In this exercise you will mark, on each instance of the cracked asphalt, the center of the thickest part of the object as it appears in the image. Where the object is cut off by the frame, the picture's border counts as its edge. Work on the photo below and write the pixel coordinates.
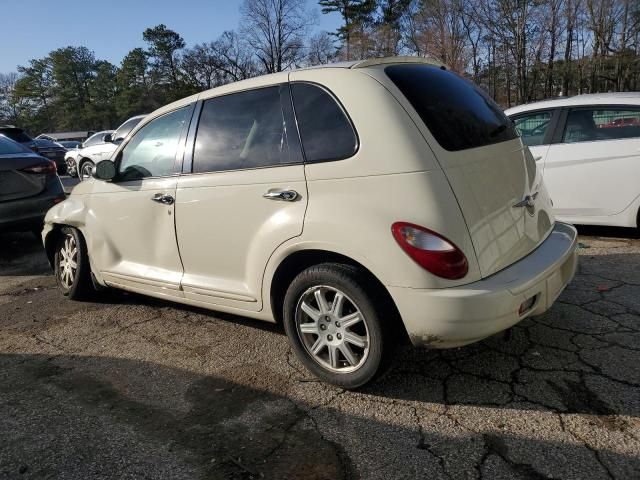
(131, 387)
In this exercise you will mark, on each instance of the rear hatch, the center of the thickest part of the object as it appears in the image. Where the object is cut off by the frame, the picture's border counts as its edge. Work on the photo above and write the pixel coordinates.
(493, 176)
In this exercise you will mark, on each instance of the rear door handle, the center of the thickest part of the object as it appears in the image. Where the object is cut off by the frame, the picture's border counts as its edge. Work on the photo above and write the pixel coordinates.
(539, 157)
(284, 195)
(164, 198)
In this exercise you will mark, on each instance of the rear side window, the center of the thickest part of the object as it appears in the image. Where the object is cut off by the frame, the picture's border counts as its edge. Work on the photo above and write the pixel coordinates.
(8, 147)
(325, 130)
(246, 130)
(457, 113)
(592, 124)
(532, 127)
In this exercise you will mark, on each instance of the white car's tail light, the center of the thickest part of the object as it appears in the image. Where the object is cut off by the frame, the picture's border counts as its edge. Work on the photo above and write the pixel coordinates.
(431, 251)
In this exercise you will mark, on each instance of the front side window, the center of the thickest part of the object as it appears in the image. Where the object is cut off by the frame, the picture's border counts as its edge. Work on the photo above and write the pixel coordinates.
(152, 151)
(245, 130)
(458, 114)
(532, 127)
(597, 123)
(325, 130)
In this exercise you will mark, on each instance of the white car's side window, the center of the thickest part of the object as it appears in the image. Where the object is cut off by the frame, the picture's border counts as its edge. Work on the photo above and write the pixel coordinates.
(601, 123)
(532, 127)
(152, 151)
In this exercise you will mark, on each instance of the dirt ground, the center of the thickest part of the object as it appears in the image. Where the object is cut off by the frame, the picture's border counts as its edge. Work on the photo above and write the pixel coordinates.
(131, 387)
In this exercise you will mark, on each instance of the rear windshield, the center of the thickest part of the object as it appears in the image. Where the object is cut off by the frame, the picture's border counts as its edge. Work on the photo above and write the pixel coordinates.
(457, 113)
(17, 135)
(9, 147)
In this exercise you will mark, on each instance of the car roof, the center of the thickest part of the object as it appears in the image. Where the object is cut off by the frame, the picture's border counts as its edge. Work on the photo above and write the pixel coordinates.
(282, 77)
(617, 98)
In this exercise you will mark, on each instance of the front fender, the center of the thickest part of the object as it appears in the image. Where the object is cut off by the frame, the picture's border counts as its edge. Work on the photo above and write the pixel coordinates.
(72, 212)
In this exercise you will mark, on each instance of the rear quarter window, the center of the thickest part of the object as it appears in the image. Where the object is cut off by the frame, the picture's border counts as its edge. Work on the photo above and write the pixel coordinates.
(458, 114)
(325, 130)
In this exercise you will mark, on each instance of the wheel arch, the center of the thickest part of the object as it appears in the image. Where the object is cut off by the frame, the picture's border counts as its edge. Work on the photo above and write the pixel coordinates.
(297, 261)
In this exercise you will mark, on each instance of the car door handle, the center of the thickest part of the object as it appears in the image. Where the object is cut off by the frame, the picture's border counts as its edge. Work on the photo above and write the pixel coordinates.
(538, 158)
(284, 195)
(164, 198)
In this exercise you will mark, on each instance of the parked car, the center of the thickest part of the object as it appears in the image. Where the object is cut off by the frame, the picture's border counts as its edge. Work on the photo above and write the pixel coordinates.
(92, 154)
(29, 186)
(70, 144)
(53, 151)
(73, 156)
(355, 203)
(18, 135)
(588, 147)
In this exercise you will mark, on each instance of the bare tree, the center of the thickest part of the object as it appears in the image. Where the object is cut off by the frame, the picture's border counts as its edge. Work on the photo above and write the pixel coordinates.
(225, 60)
(275, 30)
(321, 49)
(436, 28)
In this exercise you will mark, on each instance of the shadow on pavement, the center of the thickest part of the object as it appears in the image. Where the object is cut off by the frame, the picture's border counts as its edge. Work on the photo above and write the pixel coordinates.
(98, 417)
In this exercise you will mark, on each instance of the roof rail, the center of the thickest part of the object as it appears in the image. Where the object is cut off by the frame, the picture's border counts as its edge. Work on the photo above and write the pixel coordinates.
(400, 59)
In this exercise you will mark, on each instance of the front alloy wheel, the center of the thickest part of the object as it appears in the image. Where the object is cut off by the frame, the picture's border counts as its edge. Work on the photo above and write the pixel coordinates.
(71, 265)
(86, 170)
(332, 329)
(68, 262)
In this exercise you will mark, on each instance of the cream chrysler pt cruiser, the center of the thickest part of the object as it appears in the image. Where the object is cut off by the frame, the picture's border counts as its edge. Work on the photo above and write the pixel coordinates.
(358, 204)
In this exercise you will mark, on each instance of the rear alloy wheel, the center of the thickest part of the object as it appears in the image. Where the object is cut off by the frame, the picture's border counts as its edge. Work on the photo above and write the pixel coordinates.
(72, 270)
(86, 170)
(334, 324)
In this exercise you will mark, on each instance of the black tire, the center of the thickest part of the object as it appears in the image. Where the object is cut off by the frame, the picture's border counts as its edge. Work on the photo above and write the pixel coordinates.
(358, 291)
(80, 287)
(84, 164)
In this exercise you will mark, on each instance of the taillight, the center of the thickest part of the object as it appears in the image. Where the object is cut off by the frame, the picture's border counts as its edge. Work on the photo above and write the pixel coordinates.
(430, 250)
(47, 167)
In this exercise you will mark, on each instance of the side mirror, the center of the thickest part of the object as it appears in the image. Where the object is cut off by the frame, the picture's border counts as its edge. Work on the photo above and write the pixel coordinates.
(104, 170)
(107, 138)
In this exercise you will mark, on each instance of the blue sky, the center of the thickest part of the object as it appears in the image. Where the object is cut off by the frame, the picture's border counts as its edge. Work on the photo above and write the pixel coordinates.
(112, 28)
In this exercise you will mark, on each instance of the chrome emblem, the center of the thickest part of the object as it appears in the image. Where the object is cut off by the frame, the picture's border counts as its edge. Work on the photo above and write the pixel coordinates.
(528, 202)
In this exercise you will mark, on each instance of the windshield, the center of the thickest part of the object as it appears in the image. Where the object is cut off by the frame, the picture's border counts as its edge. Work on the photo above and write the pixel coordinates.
(457, 113)
(124, 129)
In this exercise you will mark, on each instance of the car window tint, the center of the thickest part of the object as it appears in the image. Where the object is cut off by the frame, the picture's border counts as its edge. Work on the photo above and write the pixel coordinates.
(152, 150)
(458, 114)
(8, 147)
(245, 130)
(532, 127)
(325, 130)
(592, 124)
(124, 129)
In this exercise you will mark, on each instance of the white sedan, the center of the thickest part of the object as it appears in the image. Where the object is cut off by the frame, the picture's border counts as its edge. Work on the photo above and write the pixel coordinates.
(588, 147)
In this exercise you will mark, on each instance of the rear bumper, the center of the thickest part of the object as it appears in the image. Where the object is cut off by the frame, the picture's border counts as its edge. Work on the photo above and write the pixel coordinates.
(453, 317)
(28, 213)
